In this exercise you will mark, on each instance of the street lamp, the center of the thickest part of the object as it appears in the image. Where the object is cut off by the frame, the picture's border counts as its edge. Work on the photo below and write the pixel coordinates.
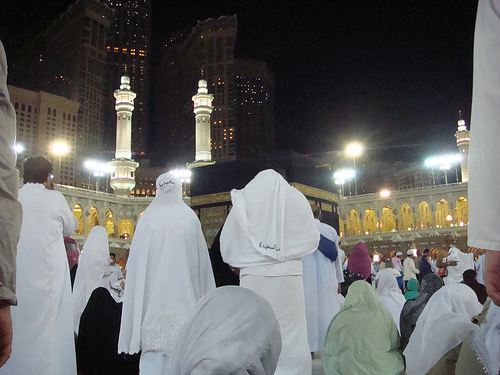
(354, 149)
(60, 148)
(444, 163)
(185, 176)
(98, 169)
(340, 178)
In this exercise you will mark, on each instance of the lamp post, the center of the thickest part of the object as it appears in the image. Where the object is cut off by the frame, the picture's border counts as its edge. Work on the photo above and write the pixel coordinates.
(60, 148)
(354, 149)
(98, 169)
(444, 163)
(340, 178)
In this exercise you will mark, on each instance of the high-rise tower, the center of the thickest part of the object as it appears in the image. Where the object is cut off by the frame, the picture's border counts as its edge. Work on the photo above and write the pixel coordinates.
(128, 51)
(463, 138)
(123, 178)
(202, 110)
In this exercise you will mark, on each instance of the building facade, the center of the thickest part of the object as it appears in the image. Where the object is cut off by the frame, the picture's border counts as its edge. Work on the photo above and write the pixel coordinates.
(42, 120)
(75, 64)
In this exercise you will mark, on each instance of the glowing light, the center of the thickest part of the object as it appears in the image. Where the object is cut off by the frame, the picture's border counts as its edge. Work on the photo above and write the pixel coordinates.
(449, 218)
(183, 173)
(385, 193)
(376, 258)
(18, 148)
(443, 161)
(341, 176)
(60, 148)
(354, 149)
(98, 166)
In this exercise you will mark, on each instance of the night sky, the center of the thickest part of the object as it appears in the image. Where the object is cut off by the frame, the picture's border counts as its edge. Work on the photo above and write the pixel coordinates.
(391, 74)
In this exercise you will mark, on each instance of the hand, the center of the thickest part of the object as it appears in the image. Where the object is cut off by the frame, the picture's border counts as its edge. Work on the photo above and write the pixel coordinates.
(5, 332)
(492, 275)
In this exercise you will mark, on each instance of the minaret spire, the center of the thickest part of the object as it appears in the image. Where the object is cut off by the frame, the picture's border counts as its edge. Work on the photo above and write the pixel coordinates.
(202, 110)
(123, 179)
(463, 138)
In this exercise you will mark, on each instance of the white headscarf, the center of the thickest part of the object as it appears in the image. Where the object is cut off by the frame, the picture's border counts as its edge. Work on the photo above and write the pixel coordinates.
(270, 222)
(92, 271)
(444, 324)
(168, 271)
(232, 331)
(389, 293)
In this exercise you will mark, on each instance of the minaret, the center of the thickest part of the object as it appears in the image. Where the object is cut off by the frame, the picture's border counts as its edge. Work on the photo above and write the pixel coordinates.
(463, 138)
(123, 178)
(202, 110)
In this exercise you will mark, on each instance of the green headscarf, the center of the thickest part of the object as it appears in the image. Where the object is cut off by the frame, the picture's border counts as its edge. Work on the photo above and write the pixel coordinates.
(362, 337)
(412, 287)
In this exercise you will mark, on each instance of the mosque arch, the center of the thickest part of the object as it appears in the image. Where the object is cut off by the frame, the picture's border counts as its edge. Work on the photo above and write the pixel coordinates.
(370, 221)
(353, 223)
(125, 228)
(442, 211)
(424, 215)
(388, 222)
(462, 211)
(405, 221)
(341, 228)
(109, 223)
(93, 219)
(78, 212)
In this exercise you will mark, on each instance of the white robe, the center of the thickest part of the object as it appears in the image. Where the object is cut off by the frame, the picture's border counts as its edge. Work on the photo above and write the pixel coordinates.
(168, 271)
(321, 295)
(42, 322)
(484, 159)
(268, 230)
(465, 262)
(389, 294)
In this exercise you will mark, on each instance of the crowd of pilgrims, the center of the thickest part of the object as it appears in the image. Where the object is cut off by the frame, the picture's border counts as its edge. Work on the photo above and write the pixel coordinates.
(274, 290)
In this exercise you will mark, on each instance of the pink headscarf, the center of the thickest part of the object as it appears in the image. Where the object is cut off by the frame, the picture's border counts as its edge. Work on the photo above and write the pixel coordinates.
(360, 261)
(72, 251)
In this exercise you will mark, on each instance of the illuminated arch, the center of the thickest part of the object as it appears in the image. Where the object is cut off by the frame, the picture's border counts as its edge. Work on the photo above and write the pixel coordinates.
(341, 227)
(110, 223)
(353, 224)
(442, 211)
(405, 218)
(78, 212)
(388, 222)
(93, 219)
(424, 215)
(126, 228)
(370, 221)
(462, 211)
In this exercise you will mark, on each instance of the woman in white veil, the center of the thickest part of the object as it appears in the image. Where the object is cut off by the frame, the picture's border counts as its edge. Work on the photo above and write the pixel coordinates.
(92, 272)
(232, 331)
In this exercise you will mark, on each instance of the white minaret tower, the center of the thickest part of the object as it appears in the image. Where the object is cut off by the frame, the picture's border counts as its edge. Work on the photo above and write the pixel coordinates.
(123, 178)
(463, 138)
(202, 110)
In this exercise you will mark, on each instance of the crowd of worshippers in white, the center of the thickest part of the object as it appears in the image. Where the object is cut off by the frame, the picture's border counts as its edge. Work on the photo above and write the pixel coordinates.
(171, 319)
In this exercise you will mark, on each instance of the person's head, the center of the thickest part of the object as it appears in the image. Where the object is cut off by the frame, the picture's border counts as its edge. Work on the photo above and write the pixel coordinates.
(113, 257)
(426, 252)
(399, 254)
(277, 168)
(168, 183)
(37, 170)
(469, 275)
(410, 253)
(449, 239)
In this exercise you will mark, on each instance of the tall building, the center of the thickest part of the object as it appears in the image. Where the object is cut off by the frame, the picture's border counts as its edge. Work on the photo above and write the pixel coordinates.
(42, 120)
(128, 50)
(239, 88)
(74, 63)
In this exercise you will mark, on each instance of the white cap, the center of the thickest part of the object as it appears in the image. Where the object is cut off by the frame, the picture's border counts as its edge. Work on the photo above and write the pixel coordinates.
(409, 252)
(399, 253)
